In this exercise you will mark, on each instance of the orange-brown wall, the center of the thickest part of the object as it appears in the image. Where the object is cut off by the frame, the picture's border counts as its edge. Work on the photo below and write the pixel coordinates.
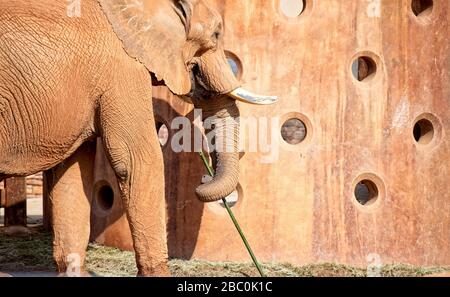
(301, 208)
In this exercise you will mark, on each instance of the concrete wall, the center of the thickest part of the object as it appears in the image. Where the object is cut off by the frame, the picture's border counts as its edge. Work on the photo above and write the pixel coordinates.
(370, 82)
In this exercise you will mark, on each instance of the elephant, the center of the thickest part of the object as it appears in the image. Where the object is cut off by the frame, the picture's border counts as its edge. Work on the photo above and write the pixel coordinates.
(66, 79)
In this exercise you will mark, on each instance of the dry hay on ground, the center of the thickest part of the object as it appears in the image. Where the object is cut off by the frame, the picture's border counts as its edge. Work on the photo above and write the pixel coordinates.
(32, 253)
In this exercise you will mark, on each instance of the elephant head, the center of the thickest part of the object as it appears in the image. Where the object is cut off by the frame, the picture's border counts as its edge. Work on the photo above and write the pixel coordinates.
(180, 43)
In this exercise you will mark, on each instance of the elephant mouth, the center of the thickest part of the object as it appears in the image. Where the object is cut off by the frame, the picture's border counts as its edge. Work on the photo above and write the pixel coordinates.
(199, 90)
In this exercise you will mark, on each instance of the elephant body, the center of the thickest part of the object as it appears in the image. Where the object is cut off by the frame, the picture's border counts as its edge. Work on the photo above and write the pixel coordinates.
(64, 81)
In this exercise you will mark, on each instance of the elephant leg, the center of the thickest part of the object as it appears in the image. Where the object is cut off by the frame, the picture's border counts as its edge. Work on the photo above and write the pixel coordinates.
(132, 147)
(69, 192)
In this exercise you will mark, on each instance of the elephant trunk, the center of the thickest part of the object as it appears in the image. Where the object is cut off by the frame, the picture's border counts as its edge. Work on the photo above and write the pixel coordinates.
(224, 116)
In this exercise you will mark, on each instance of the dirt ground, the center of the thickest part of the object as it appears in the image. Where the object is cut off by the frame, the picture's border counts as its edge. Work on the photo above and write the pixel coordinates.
(30, 254)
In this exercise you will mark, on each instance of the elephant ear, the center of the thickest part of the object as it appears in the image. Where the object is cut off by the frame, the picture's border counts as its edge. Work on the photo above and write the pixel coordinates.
(154, 32)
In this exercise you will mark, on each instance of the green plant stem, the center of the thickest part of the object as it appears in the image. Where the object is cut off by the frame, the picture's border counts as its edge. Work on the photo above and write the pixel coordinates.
(233, 218)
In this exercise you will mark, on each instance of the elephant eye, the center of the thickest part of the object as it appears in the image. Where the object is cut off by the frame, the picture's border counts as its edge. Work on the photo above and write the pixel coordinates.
(217, 32)
(216, 35)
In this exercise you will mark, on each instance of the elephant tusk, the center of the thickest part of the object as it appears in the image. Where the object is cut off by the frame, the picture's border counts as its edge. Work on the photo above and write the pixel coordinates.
(248, 97)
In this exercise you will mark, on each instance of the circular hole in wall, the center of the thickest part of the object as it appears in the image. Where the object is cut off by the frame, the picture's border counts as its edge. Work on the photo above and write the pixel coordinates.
(366, 192)
(163, 133)
(235, 64)
(422, 7)
(105, 198)
(364, 68)
(294, 131)
(423, 131)
(292, 8)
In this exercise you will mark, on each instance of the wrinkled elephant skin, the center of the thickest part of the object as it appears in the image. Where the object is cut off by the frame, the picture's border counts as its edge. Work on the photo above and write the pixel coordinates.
(69, 76)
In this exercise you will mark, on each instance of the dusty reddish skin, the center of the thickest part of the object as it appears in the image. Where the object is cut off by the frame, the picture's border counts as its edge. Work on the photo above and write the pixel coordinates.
(65, 81)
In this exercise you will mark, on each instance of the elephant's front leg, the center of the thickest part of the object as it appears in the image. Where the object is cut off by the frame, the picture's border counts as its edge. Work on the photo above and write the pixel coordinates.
(132, 146)
(69, 190)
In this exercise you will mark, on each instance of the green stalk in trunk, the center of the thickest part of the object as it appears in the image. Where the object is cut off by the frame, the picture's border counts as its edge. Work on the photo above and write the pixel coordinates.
(233, 218)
